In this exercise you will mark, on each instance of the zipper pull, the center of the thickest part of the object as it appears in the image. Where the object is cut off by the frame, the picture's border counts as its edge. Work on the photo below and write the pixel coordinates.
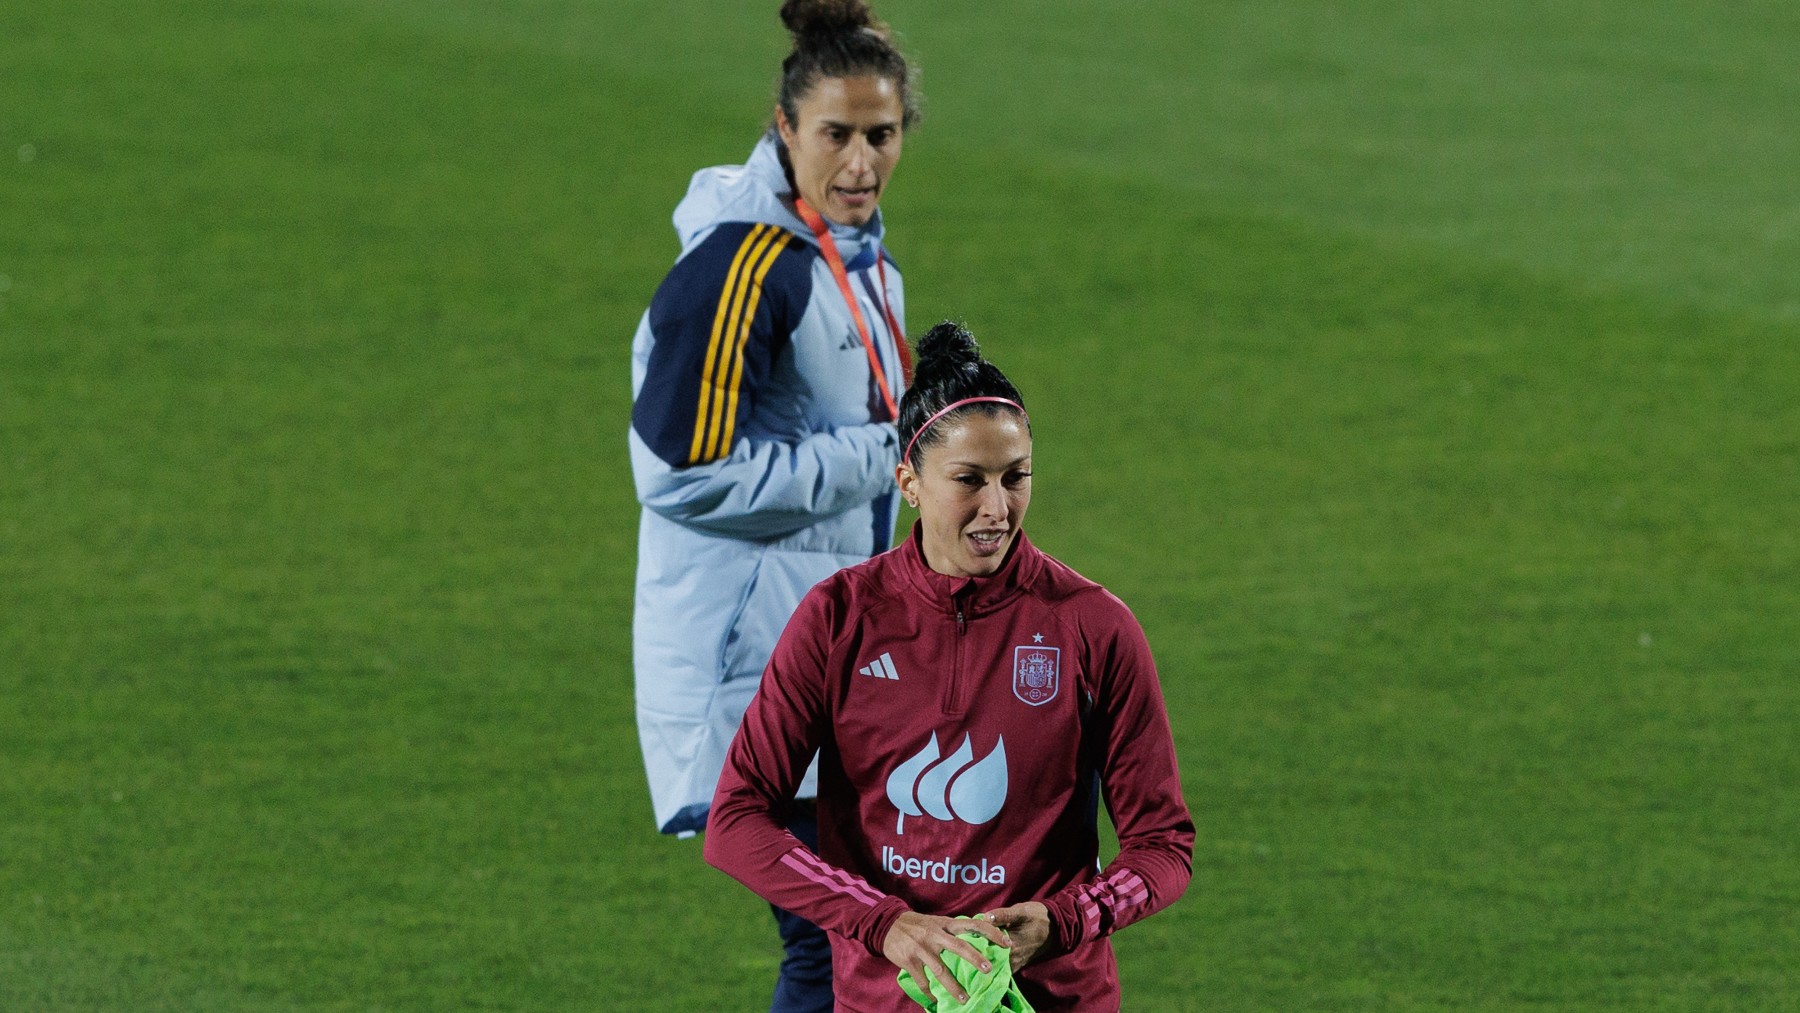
(961, 627)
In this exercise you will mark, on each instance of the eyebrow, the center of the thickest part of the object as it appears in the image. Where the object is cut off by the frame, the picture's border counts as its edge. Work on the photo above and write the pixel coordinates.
(888, 124)
(1014, 463)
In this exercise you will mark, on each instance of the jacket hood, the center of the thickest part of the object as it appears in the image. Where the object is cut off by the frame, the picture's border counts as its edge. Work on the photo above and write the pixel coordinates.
(758, 191)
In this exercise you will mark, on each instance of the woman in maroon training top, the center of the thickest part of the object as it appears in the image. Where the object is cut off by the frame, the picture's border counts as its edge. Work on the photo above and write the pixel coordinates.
(972, 702)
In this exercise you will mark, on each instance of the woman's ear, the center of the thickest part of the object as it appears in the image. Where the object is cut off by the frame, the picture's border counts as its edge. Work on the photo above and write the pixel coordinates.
(783, 127)
(908, 482)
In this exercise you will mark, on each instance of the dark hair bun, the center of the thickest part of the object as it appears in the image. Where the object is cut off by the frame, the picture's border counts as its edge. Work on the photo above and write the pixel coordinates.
(950, 369)
(840, 38)
(948, 343)
(814, 17)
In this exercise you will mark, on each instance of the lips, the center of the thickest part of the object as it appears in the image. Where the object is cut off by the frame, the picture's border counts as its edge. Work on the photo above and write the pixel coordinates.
(986, 543)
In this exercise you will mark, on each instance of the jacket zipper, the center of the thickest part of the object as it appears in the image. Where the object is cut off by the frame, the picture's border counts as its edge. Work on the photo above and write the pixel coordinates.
(953, 703)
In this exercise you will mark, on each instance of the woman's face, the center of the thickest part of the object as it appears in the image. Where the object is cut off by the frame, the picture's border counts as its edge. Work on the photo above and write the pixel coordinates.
(845, 145)
(971, 490)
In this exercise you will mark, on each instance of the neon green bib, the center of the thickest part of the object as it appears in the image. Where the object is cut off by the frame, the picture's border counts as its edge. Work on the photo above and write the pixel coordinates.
(992, 992)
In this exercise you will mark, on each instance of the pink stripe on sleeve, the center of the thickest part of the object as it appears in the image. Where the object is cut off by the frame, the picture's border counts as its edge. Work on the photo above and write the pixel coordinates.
(1090, 915)
(835, 880)
(1130, 887)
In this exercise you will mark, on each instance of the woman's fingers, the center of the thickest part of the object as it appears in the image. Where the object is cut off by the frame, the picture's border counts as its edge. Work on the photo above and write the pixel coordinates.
(916, 943)
(966, 950)
(1027, 928)
(987, 927)
(936, 967)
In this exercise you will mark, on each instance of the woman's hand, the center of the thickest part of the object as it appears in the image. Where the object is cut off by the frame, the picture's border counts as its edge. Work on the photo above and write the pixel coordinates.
(1027, 925)
(916, 940)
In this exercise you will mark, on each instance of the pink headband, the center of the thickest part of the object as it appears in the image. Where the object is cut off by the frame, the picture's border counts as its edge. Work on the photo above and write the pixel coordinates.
(947, 409)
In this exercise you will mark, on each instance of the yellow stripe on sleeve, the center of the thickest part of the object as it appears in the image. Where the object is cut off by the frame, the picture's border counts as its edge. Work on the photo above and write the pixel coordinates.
(725, 343)
(734, 280)
(743, 339)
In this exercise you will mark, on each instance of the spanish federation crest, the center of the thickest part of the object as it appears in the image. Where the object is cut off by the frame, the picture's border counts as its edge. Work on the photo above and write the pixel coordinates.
(1036, 674)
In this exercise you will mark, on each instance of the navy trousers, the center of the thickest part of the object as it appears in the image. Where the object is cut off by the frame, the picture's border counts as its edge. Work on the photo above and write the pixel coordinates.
(804, 985)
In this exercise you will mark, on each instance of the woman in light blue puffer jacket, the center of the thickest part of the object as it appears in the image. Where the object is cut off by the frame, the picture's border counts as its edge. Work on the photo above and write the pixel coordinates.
(764, 378)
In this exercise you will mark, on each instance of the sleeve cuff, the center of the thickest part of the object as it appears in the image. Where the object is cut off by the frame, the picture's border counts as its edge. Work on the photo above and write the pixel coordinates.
(1065, 922)
(879, 922)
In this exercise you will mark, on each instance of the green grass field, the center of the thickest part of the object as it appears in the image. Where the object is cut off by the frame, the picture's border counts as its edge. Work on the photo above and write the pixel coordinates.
(1426, 376)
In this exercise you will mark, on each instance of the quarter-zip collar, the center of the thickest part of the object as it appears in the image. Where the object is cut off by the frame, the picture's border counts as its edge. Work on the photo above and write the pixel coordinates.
(969, 596)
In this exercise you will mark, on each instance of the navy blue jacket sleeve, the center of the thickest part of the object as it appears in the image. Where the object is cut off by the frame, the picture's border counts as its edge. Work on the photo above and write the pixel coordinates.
(720, 318)
(718, 323)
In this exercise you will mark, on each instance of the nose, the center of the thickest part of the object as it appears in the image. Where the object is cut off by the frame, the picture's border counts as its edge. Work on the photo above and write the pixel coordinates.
(993, 502)
(862, 156)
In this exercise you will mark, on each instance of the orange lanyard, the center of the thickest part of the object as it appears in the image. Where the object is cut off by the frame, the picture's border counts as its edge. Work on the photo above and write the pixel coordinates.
(829, 248)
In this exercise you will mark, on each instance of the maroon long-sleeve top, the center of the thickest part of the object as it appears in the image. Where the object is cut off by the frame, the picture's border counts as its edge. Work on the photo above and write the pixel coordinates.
(967, 730)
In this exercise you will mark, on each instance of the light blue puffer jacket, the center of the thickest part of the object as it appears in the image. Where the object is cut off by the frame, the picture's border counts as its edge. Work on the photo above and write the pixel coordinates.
(763, 456)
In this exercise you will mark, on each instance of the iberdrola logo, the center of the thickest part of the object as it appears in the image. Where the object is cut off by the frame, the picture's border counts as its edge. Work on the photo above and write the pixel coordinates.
(958, 787)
